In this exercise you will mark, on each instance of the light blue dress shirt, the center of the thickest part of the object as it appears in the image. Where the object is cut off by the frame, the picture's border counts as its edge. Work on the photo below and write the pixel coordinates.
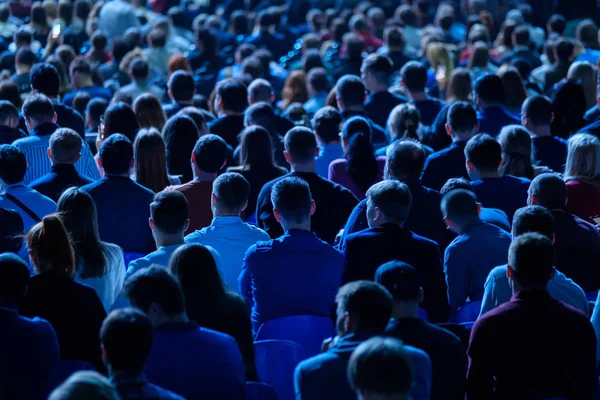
(498, 291)
(315, 103)
(327, 154)
(230, 237)
(34, 200)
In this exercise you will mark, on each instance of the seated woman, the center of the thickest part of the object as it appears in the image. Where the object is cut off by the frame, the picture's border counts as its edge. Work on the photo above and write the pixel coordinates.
(582, 176)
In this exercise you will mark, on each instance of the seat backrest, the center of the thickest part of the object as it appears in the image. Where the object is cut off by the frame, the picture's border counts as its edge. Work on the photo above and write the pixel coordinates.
(275, 364)
(260, 391)
(591, 296)
(308, 331)
(468, 312)
(66, 368)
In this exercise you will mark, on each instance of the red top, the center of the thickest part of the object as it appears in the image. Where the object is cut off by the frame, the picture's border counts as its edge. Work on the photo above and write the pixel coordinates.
(198, 195)
(583, 199)
(338, 174)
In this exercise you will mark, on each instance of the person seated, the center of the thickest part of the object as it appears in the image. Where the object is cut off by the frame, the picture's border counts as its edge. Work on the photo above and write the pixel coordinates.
(80, 72)
(447, 354)
(262, 114)
(448, 163)
(208, 159)
(24, 60)
(326, 123)
(335, 202)
(317, 86)
(117, 220)
(376, 71)
(30, 351)
(126, 341)
(205, 54)
(9, 123)
(363, 311)
(414, 80)
(266, 36)
(477, 249)
(74, 310)
(139, 71)
(228, 234)
(394, 47)
(388, 207)
(158, 52)
(314, 268)
(567, 371)
(119, 48)
(521, 49)
(185, 358)
(87, 384)
(182, 89)
(40, 118)
(536, 219)
(351, 62)
(64, 150)
(94, 112)
(489, 98)
(548, 150)
(230, 103)
(557, 71)
(484, 158)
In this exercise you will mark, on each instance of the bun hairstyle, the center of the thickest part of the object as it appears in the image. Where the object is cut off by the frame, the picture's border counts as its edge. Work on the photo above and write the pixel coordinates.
(50, 247)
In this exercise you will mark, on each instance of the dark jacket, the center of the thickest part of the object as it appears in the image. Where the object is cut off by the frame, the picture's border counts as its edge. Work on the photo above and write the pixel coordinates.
(445, 164)
(274, 42)
(60, 177)
(522, 53)
(66, 117)
(555, 74)
(378, 136)
(379, 106)
(493, 118)
(9, 135)
(228, 128)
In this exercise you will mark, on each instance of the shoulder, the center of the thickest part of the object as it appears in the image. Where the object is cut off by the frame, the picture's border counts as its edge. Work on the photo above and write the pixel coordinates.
(24, 141)
(112, 250)
(91, 186)
(498, 273)
(337, 163)
(314, 365)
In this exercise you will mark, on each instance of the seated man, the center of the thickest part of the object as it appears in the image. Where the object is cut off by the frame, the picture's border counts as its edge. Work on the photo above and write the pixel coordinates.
(388, 207)
(363, 310)
(80, 72)
(553, 355)
(191, 361)
(9, 123)
(326, 123)
(181, 92)
(313, 269)
(228, 234)
(484, 158)
(139, 72)
(121, 203)
(477, 249)
(126, 340)
(414, 79)
(230, 102)
(29, 345)
(489, 98)
(376, 71)
(447, 354)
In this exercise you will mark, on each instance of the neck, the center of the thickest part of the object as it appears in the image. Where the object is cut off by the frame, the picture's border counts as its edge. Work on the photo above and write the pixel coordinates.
(201, 176)
(303, 226)
(168, 240)
(414, 96)
(379, 88)
(356, 107)
(223, 113)
(84, 83)
(174, 319)
(219, 213)
(488, 174)
(539, 131)
(184, 102)
(461, 228)
(404, 309)
(124, 175)
(22, 69)
(119, 372)
(308, 167)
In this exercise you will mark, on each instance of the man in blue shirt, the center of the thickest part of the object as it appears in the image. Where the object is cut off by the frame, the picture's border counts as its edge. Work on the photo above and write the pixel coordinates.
(267, 37)
(126, 340)
(449, 163)
(376, 71)
(327, 124)
(317, 85)
(484, 158)
(194, 362)
(414, 79)
(489, 97)
(477, 249)
(313, 269)
(122, 204)
(81, 78)
(363, 311)
(29, 345)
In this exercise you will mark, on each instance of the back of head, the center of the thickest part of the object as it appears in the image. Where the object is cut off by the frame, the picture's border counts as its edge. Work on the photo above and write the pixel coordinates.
(260, 90)
(380, 368)
(233, 94)
(261, 114)
(292, 199)
(521, 35)
(414, 76)
(9, 114)
(45, 79)
(211, 153)
(583, 157)
(182, 86)
(361, 163)
(311, 59)
(25, 57)
(354, 45)
(326, 123)
(400, 279)
(10, 91)
(89, 385)
(231, 191)
(394, 38)
(538, 109)
(149, 112)
(318, 80)
(405, 160)
(157, 38)
(96, 109)
(462, 118)
(126, 338)
(489, 89)
(564, 49)
(392, 198)
(120, 118)
(116, 155)
(119, 48)
(534, 219)
(557, 23)
(587, 33)
(139, 69)
(13, 164)
(50, 247)
(301, 145)
(531, 258)
(350, 91)
(460, 206)
(484, 152)
(368, 305)
(14, 278)
(403, 122)
(381, 67)
(516, 152)
(454, 184)
(38, 108)
(550, 191)
(256, 147)
(169, 212)
(155, 285)
(80, 66)
(65, 145)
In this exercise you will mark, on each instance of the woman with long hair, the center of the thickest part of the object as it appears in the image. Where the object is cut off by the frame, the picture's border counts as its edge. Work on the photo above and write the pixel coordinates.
(209, 303)
(149, 112)
(294, 90)
(150, 156)
(479, 61)
(74, 310)
(180, 134)
(99, 264)
(585, 73)
(360, 169)
(515, 89)
(516, 152)
(460, 86)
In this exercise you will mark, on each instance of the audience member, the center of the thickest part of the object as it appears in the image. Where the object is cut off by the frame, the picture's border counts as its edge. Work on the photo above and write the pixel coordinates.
(230, 102)
(489, 97)
(85, 384)
(180, 134)
(414, 79)
(9, 123)
(139, 71)
(326, 123)
(80, 72)
(376, 71)
(149, 112)
(517, 150)
(181, 92)
(150, 157)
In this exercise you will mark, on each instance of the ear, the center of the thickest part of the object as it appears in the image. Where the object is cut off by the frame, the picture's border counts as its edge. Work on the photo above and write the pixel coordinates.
(187, 225)
(100, 163)
(193, 157)
(103, 352)
(245, 206)
(317, 151)
(501, 162)
(421, 295)
(132, 163)
(54, 118)
(339, 103)
(151, 223)
(470, 165)
(78, 157)
(478, 208)
(287, 156)
(224, 164)
(533, 199)
(553, 270)
(277, 215)
(313, 207)
(448, 130)
(510, 273)
(213, 199)
(170, 94)
(552, 115)
(49, 153)
(476, 128)
(447, 222)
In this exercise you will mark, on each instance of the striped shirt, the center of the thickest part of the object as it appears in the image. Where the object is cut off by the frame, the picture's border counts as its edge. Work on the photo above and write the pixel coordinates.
(35, 147)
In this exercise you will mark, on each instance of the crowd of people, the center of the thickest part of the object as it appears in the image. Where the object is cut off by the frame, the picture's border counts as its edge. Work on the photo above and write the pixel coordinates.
(178, 174)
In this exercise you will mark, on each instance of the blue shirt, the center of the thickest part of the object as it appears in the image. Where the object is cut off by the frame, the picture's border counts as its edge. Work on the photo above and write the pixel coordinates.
(507, 193)
(94, 91)
(550, 151)
(469, 259)
(131, 386)
(493, 118)
(327, 154)
(295, 274)
(445, 164)
(230, 237)
(36, 202)
(315, 103)
(195, 362)
(589, 55)
(428, 109)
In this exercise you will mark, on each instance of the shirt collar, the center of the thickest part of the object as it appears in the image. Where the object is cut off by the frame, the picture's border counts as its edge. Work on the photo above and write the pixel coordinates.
(45, 129)
(227, 220)
(172, 247)
(299, 233)
(128, 377)
(64, 168)
(15, 186)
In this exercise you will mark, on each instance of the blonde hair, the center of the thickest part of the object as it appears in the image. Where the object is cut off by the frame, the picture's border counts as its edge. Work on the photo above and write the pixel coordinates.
(403, 122)
(438, 54)
(586, 73)
(583, 158)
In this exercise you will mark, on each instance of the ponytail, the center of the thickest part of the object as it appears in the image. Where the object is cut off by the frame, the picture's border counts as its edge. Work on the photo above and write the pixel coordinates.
(51, 247)
(361, 164)
(410, 130)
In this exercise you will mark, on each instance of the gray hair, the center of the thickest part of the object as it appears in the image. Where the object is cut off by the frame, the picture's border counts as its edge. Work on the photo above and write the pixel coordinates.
(583, 158)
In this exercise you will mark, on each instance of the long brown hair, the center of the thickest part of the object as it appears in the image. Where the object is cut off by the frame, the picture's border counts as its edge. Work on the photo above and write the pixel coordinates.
(151, 160)
(294, 90)
(50, 247)
(149, 112)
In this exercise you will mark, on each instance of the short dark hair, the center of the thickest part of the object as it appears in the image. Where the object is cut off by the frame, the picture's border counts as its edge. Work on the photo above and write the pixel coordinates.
(7, 111)
(157, 37)
(211, 153)
(14, 278)
(38, 107)
(4, 12)
(564, 49)
(119, 48)
(531, 256)
(155, 285)
(13, 164)
(368, 303)
(533, 219)
(260, 90)
(490, 89)
(456, 183)
(521, 35)
(65, 145)
(261, 114)
(414, 75)
(116, 154)
(381, 365)
(550, 191)
(393, 198)
(25, 56)
(400, 279)
(462, 117)
(484, 152)
(234, 95)
(538, 109)
(231, 190)
(406, 159)
(317, 78)
(126, 336)
(139, 68)
(326, 123)
(96, 108)
(460, 206)
(292, 198)
(350, 90)
(45, 79)
(558, 23)
(394, 38)
(380, 66)
(301, 144)
(81, 66)
(169, 211)
(182, 86)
